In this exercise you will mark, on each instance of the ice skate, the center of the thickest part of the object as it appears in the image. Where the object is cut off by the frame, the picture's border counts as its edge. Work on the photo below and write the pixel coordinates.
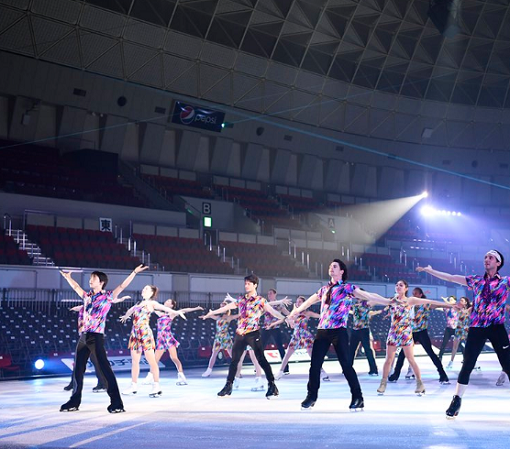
(501, 379)
(420, 387)
(382, 387)
(149, 379)
(272, 391)
(181, 379)
(133, 389)
(226, 390)
(454, 408)
(207, 372)
(156, 391)
(259, 384)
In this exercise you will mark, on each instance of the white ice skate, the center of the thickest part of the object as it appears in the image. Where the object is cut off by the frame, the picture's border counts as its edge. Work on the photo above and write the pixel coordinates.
(149, 379)
(207, 372)
(156, 391)
(133, 389)
(259, 385)
(181, 379)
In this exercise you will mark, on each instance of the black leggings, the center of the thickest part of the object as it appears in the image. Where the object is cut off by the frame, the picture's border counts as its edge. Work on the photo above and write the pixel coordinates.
(92, 342)
(477, 336)
(276, 335)
(340, 341)
(101, 380)
(448, 333)
(423, 338)
(362, 336)
(254, 341)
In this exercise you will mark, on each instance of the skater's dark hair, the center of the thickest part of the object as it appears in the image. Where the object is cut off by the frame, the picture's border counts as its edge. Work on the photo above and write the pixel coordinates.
(173, 301)
(468, 302)
(343, 267)
(272, 290)
(102, 278)
(253, 278)
(155, 291)
(404, 282)
(502, 259)
(420, 292)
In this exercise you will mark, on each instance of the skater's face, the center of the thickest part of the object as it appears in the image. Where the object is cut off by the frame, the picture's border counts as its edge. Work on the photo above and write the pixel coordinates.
(401, 288)
(94, 283)
(335, 271)
(491, 263)
(417, 293)
(300, 301)
(170, 303)
(463, 302)
(147, 292)
(250, 287)
(271, 295)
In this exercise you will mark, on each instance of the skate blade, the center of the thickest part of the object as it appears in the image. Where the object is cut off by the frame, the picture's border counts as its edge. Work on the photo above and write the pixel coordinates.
(129, 393)
(70, 409)
(421, 393)
(155, 395)
(274, 396)
(355, 410)
(180, 384)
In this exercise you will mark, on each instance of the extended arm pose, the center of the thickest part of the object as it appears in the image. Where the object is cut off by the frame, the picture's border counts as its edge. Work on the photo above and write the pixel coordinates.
(462, 327)
(419, 325)
(301, 338)
(336, 299)
(490, 293)
(401, 333)
(166, 340)
(222, 338)
(251, 307)
(142, 339)
(97, 303)
(272, 331)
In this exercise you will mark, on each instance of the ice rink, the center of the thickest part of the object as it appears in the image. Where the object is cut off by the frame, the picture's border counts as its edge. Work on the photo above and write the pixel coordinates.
(194, 417)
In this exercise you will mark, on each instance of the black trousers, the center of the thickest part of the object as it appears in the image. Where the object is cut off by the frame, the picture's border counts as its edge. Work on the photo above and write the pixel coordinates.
(362, 336)
(340, 341)
(101, 380)
(477, 336)
(276, 335)
(448, 333)
(255, 342)
(423, 338)
(91, 342)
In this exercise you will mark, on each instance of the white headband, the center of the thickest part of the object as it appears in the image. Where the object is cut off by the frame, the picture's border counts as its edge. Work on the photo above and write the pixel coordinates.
(494, 253)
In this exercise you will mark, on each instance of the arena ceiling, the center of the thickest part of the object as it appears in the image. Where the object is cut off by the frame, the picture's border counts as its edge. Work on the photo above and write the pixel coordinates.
(303, 60)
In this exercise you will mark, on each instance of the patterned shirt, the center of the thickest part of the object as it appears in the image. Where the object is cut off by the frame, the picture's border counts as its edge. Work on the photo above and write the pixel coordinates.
(250, 311)
(97, 307)
(270, 319)
(490, 295)
(81, 322)
(335, 314)
(452, 317)
(421, 318)
(360, 315)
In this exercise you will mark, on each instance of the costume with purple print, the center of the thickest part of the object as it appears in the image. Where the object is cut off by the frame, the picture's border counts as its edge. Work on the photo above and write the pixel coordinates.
(452, 317)
(222, 339)
(335, 314)
(301, 338)
(141, 337)
(489, 299)
(270, 319)
(96, 308)
(400, 333)
(360, 315)
(421, 318)
(250, 310)
(165, 339)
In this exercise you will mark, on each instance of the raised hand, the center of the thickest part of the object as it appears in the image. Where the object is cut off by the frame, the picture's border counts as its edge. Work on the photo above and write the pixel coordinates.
(140, 268)
(286, 301)
(124, 318)
(420, 269)
(229, 298)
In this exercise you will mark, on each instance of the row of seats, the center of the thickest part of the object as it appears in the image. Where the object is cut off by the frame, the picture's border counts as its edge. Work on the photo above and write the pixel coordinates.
(10, 254)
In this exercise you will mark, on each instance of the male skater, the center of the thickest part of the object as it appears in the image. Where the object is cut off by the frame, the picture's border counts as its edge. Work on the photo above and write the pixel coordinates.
(336, 300)
(251, 306)
(96, 303)
(490, 293)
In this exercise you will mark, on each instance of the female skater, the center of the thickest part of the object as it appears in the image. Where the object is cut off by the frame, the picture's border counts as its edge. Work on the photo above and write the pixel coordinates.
(222, 338)
(462, 327)
(301, 338)
(400, 333)
(452, 318)
(142, 339)
(167, 342)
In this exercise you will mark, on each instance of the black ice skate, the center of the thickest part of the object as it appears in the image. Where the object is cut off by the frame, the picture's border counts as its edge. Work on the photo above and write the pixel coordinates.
(308, 403)
(227, 390)
(357, 404)
(454, 408)
(272, 391)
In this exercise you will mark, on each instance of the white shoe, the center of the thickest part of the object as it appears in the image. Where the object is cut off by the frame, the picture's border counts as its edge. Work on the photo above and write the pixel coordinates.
(133, 389)
(450, 365)
(324, 376)
(501, 379)
(259, 385)
(237, 383)
(207, 372)
(156, 391)
(181, 379)
(149, 379)
(279, 375)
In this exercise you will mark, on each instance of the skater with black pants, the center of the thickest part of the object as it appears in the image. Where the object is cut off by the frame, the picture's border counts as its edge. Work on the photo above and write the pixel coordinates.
(251, 307)
(419, 326)
(97, 303)
(490, 293)
(452, 318)
(101, 380)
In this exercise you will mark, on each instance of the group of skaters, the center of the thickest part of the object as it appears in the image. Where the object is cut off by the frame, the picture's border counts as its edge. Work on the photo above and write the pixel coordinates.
(479, 321)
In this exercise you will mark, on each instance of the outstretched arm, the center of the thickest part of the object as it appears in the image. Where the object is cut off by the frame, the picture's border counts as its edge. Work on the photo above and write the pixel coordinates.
(219, 311)
(67, 275)
(127, 315)
(308, 303)
(457, 278)
(285, 301)
(122, 298)
(372, 298)
(190, 309)
(273, 311)
(128, 281)
(437, 304)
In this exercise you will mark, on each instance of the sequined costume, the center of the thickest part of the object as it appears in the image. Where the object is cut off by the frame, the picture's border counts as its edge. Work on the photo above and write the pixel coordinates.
(222, 339)
(141, 338)
(301, 338)
(400, 333)
(165, 339)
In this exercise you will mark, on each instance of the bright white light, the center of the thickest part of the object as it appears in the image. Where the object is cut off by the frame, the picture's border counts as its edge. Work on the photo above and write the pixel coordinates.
(425, 194)
(427, 211)
(39, 364)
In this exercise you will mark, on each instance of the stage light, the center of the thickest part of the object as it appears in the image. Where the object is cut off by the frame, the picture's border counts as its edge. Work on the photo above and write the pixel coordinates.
(425, 194)
(427, 211)
(39, 364)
